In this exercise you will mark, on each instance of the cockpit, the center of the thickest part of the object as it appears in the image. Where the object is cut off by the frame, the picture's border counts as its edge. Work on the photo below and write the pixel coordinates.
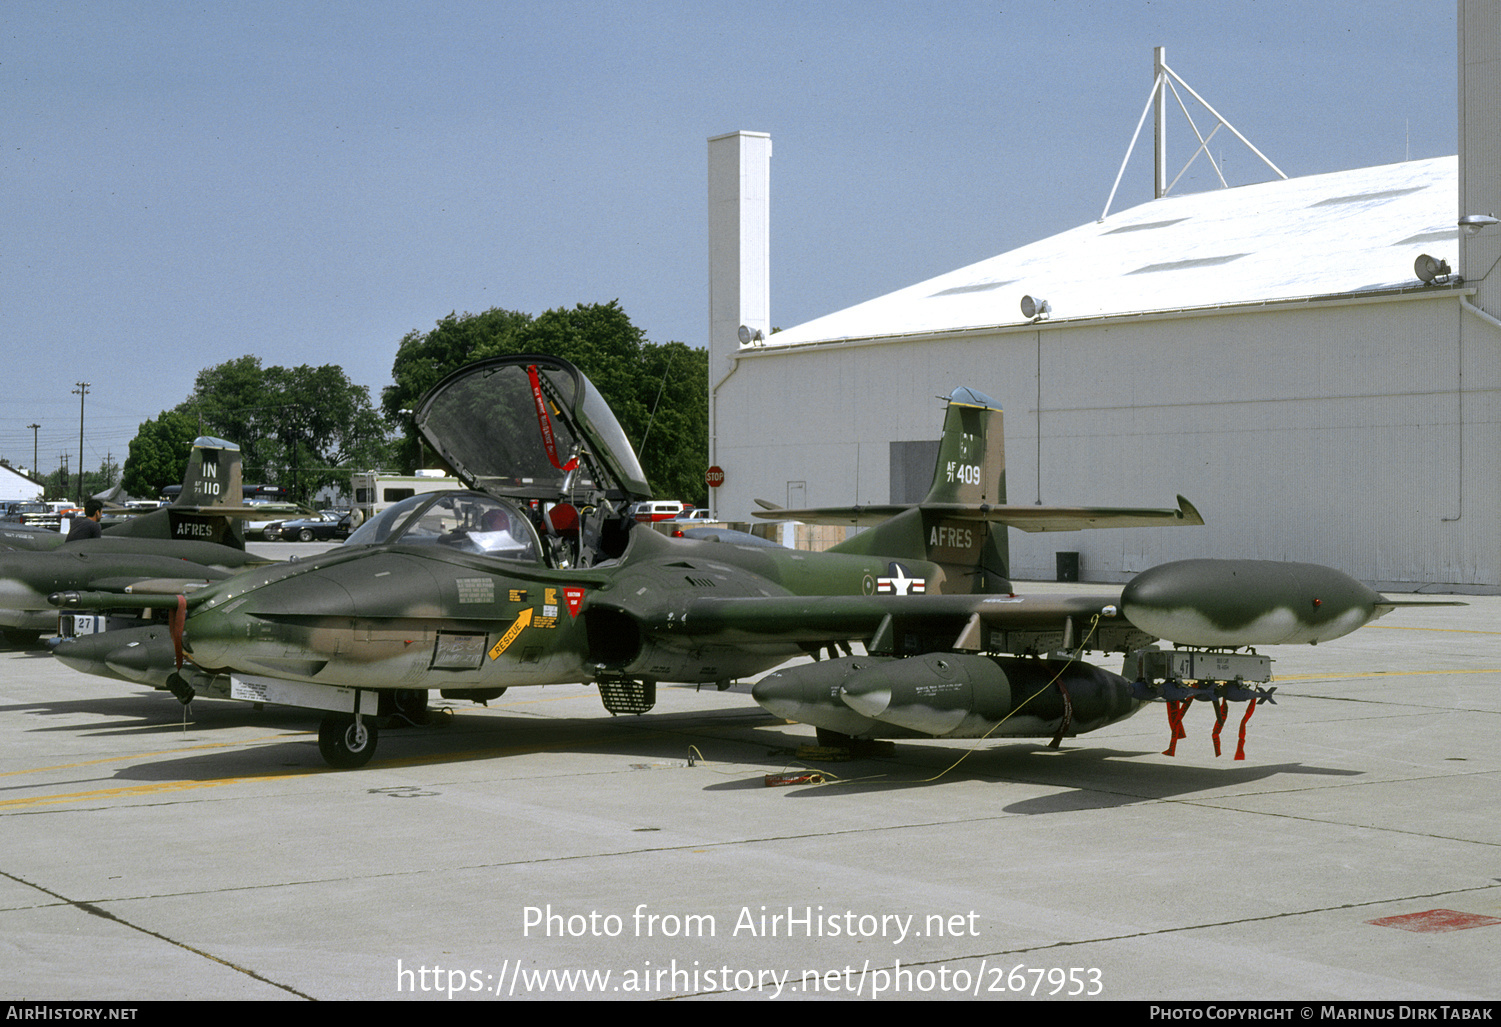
(467, 521)
(535, 438)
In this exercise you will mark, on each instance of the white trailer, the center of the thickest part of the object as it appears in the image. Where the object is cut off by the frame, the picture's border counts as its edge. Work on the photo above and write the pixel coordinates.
(373, 491)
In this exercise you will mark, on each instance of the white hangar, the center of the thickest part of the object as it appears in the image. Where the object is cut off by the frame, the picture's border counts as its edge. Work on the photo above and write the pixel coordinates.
(1267, 351)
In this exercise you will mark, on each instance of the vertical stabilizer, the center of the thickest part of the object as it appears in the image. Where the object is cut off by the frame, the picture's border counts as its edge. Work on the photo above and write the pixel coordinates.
(971, 473)
(213, 475)
(971, 470)
(213, 479)
(972, 453)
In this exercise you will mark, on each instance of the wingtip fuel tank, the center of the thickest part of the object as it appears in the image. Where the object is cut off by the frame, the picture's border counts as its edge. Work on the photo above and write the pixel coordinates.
(1231, 603)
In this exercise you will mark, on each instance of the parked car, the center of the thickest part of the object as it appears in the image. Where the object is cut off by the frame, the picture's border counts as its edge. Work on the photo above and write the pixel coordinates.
(324, 528)
(271, 516)
(657, 510)
(32, 514)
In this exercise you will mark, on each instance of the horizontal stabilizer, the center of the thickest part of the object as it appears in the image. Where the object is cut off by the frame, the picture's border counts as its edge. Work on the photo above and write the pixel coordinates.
(1077, 518)
(1027, 518)
(231, 511)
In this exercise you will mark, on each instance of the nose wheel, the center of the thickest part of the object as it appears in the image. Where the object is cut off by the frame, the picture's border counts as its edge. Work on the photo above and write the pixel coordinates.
(346, 742)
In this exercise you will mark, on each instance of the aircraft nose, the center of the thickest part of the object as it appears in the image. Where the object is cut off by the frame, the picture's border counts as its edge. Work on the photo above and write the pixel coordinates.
(16, 595)
(143, 655)
(268, 628)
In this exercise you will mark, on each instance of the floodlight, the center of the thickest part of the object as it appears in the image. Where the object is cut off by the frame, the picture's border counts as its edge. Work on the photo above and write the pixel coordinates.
(1431, 270)
(1035, 309)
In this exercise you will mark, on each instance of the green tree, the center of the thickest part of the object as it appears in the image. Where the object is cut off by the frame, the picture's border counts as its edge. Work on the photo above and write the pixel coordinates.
(675, 443)
(61, 487)
(425, 358)
(319, 421)
(301, 428)
(228, 401)
(158, 454)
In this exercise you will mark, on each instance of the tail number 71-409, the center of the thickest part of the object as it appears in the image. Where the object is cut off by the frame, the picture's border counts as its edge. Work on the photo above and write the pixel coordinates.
(969, 474)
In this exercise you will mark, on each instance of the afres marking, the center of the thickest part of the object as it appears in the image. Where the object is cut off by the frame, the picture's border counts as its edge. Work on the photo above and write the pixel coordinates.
(943, 536)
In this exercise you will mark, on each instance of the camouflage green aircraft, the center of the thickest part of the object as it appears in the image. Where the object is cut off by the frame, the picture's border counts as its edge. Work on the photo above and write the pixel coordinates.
(538, 576)
(190, 543)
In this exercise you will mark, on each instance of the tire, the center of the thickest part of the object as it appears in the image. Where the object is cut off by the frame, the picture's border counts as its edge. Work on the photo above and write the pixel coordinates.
(305, 535)
(340, 745)
(407, 706)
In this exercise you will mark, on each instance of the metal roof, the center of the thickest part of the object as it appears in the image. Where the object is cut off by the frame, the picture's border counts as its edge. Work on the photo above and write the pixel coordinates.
(1339, 234)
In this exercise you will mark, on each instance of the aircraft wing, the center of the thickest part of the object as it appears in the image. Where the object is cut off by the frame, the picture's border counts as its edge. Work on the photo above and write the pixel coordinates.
(1208, 603)
(24, 538)
(242, 511)
(1027, 518)
(990, 622)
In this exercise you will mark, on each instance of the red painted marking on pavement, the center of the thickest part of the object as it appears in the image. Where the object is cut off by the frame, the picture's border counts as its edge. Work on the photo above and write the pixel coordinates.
(1435, 920)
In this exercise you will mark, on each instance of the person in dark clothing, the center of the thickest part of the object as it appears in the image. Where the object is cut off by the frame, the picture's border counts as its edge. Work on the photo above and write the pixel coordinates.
(87, 526)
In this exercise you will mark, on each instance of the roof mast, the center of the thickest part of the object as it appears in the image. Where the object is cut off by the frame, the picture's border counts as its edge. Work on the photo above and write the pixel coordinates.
(1163, 78)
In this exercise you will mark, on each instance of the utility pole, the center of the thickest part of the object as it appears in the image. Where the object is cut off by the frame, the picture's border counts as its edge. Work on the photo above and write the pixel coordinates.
(33, 428)
(80, 392)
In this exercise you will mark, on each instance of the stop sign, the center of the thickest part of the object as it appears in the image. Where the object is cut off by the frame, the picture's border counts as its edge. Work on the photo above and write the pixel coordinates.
(714, 476)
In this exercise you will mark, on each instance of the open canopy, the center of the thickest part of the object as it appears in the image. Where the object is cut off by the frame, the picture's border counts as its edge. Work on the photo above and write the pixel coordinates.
(530, 427)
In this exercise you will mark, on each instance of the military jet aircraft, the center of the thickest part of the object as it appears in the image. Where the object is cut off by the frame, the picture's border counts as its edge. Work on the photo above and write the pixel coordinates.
(539, 576)
(195, 540)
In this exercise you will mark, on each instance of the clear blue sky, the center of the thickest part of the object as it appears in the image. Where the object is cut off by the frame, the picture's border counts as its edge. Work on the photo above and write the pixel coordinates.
(308, 181)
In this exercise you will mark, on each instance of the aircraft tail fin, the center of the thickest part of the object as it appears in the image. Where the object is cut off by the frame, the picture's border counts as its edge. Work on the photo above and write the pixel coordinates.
(212, 486)
(969, 475)
(971, 465)
(213, 476)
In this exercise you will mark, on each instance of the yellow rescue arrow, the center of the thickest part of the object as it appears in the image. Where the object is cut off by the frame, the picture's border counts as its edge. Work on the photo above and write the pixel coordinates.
(510, 635)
